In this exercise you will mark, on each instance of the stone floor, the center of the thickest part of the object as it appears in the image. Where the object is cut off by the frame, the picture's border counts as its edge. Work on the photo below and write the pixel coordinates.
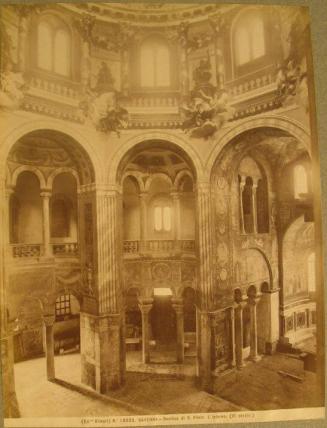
(143, 393)
(258, 386)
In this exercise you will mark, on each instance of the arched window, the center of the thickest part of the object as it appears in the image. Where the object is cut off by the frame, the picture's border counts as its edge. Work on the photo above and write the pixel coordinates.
(62, 52)
(249, 38)
(262, 207)
(247, 204)
(53, 47)
(60, 218)
(44, 50)
(311, 273)
(300, 181)
(154, 64)
(162, 218)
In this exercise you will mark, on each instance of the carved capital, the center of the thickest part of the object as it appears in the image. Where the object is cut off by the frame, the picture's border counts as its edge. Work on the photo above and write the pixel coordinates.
(49, 320)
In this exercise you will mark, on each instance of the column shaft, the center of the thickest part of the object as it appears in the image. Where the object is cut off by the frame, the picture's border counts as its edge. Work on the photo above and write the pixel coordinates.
(232, 358)
(254, 208)
(143, 216)
(242, 184)
(49, 346)
(180, 332)
(145, 308)
(239, 335)
(46, 222)
(253, 332)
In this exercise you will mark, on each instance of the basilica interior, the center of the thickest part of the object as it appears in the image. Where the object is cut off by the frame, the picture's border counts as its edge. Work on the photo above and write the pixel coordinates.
(158, 190)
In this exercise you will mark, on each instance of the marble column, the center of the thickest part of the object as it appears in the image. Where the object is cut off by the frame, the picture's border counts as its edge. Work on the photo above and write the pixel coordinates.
(242, 184)
(205, 281)
(239, 334)
(254, 207)
(176, 214)
(179, 309)
(145, 307)
(143, 215)
(231, 320)
(254, 328)
(49, 321)
(45, 196)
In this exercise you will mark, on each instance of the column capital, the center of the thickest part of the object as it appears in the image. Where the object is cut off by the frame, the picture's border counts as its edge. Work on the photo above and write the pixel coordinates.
(253, 300)
(241, 305)
(143, 195)
(9, 190)
(175, 194)
(178, 307)
(49, 320)
(45, 193)
(203, 186)
(145, 306)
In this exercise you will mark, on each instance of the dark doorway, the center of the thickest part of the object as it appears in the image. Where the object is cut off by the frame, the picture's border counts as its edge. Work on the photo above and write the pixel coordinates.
(163, 321)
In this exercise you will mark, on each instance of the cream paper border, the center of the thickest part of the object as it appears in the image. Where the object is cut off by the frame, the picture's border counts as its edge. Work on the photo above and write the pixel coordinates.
(178, 419)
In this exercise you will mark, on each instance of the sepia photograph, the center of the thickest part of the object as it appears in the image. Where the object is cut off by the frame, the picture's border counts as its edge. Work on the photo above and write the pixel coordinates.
(161, 257)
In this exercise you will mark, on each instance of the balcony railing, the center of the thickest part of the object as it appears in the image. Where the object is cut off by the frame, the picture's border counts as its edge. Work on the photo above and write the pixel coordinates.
(26, 250)
(37, 250)
(261, 78)
(155, 246)
(65, 249)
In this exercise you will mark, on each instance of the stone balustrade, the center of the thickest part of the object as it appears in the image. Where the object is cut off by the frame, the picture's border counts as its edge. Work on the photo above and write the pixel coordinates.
(56, 87)
(131, 247)
(26, 250)
(65, 249)
(144, 100)
(154, 246)
(251, 82)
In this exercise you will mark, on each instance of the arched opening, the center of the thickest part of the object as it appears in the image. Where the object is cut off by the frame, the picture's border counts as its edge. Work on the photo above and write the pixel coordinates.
(254, 211)
(53, 46)
(26, 210)
(262, 206)
(189, 313)
(45, 169)
(298, 253)
(133, 326)
(163, 327)
(155, 68)
(66, 337)
(63, 209)
(131, 210)
(249, 39)
(247, 204)
(300, 181)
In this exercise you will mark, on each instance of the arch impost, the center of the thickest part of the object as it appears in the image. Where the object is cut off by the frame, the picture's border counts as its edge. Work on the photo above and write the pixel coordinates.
(104, 189)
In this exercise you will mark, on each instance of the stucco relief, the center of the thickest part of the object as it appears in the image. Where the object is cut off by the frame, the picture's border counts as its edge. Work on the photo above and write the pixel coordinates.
(132, 274)
(161, 271)
(188, 272)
